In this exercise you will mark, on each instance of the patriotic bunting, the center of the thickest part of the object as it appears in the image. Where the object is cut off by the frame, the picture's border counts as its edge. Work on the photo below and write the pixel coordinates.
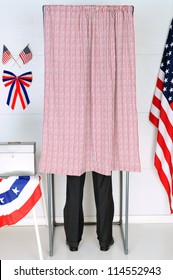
(161, 115)
(17, 88)
(18, 195)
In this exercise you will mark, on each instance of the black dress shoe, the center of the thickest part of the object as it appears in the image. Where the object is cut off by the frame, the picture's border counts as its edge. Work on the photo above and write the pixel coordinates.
(106, 247)
(72, 248)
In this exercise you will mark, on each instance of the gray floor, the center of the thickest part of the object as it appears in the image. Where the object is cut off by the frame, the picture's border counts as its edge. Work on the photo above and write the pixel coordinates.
(146, 242)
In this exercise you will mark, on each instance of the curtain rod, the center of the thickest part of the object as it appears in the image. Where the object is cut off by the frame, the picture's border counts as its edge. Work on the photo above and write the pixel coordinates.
(133, 8)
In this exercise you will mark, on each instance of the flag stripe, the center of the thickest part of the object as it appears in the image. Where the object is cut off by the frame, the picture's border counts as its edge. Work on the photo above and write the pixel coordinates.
(159, 84)
(157, 102)
(164, 133)
(164, 163)
(158, 94)
(165, 119)
(156, 105)
(154, 120)
(164, 180)
(166, 107)
(165, 150)
(161, 74)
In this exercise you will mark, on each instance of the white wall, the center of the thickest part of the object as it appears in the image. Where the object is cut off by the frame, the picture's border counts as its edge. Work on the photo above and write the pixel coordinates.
(22, 23)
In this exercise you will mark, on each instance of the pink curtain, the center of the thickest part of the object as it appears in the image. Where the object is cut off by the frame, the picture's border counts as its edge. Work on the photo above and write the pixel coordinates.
(90, 118)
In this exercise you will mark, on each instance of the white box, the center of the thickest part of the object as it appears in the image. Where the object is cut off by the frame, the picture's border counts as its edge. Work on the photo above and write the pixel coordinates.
(17, 158)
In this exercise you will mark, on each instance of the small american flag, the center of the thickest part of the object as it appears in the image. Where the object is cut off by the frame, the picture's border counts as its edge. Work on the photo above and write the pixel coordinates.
(161, 115)
(26, 55)
(6, 55)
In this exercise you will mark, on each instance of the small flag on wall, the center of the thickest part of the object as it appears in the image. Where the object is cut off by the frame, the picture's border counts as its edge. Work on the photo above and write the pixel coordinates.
(26, 55)
(161, 115)
(6, 55)
(18, 195)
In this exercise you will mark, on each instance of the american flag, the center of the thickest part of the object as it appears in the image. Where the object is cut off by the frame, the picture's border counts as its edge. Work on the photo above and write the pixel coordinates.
(161, 115)
(26, 55)
(18, 195)
(6, 55)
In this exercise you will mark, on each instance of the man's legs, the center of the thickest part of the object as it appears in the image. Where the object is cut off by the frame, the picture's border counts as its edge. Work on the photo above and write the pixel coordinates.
(73, 210)
(105, 209)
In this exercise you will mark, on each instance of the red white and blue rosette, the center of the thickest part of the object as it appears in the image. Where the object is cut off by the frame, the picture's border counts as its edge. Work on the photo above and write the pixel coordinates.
(18, 85)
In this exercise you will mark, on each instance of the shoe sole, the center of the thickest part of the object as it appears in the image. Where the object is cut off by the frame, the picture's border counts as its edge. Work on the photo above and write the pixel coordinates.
(106, 248)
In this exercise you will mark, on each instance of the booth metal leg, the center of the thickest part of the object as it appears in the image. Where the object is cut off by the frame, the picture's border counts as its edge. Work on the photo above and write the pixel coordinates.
(124, 232)
(126, 214)
(121, 199)
(51, 211)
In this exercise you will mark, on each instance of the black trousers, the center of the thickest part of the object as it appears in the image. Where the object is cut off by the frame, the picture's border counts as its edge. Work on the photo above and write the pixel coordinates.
(73, 210)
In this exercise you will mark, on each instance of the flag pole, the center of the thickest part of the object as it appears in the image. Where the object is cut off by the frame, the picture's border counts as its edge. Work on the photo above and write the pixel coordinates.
(15, 61)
